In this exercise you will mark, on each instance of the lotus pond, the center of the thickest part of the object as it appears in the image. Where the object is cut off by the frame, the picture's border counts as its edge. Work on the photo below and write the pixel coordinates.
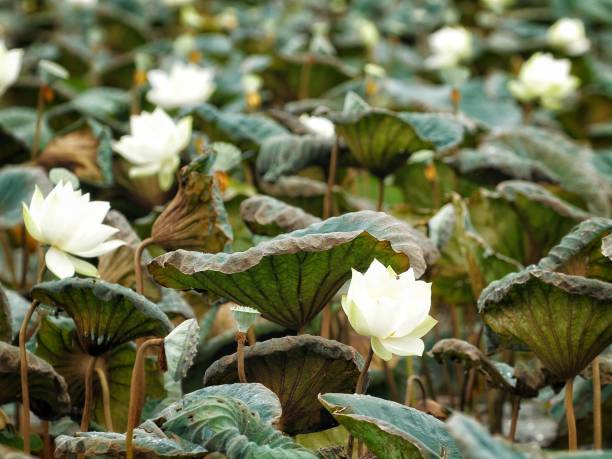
(301, 229)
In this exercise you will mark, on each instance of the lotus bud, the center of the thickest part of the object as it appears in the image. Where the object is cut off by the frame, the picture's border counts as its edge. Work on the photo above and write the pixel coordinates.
(185, 85)
(10, 66)
(244, 317)
(449, 47)
(569, 36)
(180, 348)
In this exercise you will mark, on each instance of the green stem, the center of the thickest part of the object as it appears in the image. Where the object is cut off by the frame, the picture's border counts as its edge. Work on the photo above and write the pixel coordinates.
(40, 107)
(597, 437)
(364, 371)
(569, 415)
(108, 418)
(23, 369)
(88, 384)
(136, 390)
(381, 194)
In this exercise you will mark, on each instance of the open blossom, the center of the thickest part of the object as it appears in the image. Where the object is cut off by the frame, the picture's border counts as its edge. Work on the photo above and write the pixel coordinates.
(392, 309)
(10, 66)
(545, 78)
(185, 85)
(569, 36)
(71, 225)
(449, 46)
(154, 145)
(319, 125)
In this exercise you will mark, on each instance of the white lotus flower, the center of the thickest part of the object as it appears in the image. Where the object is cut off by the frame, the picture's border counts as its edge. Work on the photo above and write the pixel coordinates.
(180, 348)
(392, 309)
(319, 125)
(186, 85)
(449, 47)
(498, 6)
(568, 35)
(71, 225)
(546, 78)
(154, 145)
(10, 66)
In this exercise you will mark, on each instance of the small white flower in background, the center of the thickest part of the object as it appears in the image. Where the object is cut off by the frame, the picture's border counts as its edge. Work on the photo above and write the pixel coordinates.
(244, 317)
(320, 126)
(180, 348)
(449, 47)
(82, 3)
(392, 309)
(498, 6)
(71, 225)
(154, 144)
(185, 85)
(370, 36)
(545, 78)
(569, 36)
(10, 66)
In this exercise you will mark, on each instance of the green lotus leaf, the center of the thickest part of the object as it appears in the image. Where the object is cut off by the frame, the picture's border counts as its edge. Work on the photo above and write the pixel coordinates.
(287, 72)
(285, 155)
(290, 278)
(102, 103)
(565, 320)
(529, 153)
(257, 397)
(244, 130)
(147, 445)
(227, 425)
(6, 321)
(174, 305)
(17, 126)
(579, 252)
(49, 397)
(106, 315)
(296, 369)
(498, 373)
(16, 187)
(522, 220)
(117, 267)
(382, 140)
(58, 344)
(390, 429)
(268, 216)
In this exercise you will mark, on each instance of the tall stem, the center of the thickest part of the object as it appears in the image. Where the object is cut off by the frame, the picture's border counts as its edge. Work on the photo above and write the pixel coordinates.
(328, 204)
(47, 447)
(108, 418)
(136, 389)
(137, 264)
(569, 415)
(381, 194)
(40, 107)
(240, 339)
(88, 383)
(597, 438)
(303, 91)
(516, 407)
(408, 401)
(364, 371)
(23, 369)
(391, 381)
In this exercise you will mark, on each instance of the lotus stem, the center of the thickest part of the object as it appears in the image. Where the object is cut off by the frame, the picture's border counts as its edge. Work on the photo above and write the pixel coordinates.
(137, 264)
(516, 407)
(108, 418)
(597, 437)
(381, 195)
(325, 331)
(455, 99)
(328, 204)
(364, 371)
(468, 385)
(569, 415)
(23, 369)
(240, 339)
(391, 381)
(8, 256)
(88, 394)
(409, 389)
(25, 257)
(40, 107)
(303, 91)
(251, 337)
(47, 448)
(136, 390)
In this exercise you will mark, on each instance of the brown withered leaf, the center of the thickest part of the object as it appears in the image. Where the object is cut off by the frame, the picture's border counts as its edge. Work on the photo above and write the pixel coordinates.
(76, 151)
(195, 219)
